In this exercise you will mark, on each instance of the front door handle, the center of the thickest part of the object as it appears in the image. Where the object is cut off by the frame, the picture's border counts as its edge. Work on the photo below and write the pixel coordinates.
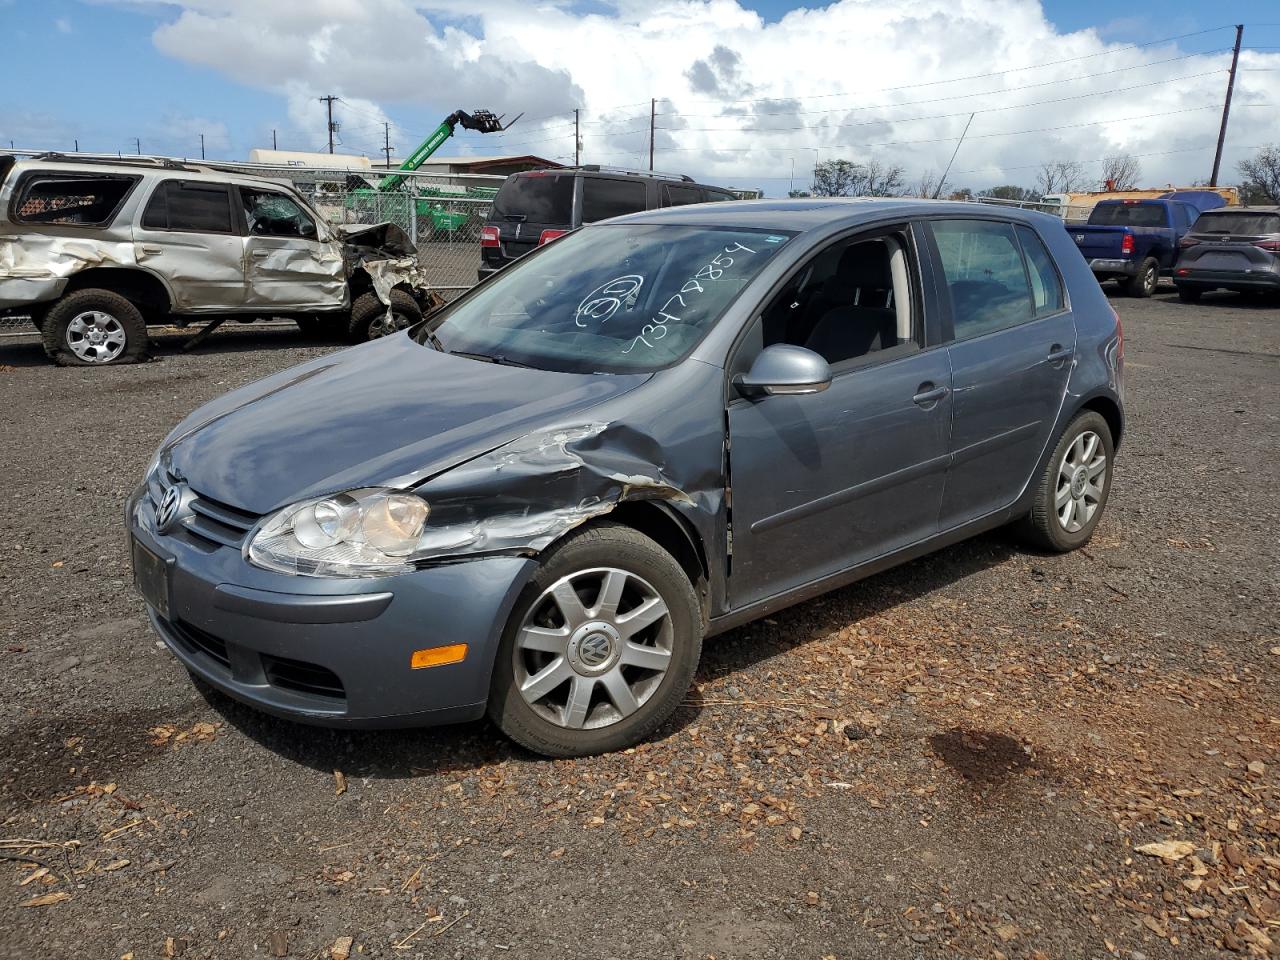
(927, 394)
(1058, 353)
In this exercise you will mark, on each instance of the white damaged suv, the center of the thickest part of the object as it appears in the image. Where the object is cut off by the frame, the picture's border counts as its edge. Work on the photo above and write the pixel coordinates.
(95, 250)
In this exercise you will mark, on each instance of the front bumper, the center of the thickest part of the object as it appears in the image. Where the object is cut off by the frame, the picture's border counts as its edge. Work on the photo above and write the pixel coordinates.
(1110, 268)
(334, 652)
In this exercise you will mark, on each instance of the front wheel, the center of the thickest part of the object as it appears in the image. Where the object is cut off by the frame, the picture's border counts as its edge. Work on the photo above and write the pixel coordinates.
(1074, 487)
(600, 648)
(370, 318)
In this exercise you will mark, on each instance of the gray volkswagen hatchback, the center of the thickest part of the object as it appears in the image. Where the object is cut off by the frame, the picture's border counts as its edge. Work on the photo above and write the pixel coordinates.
(538, 502)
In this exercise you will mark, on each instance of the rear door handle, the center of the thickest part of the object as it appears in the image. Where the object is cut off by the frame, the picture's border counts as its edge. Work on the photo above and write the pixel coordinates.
(259, 254)
(927, 394)
(1058, 353)
(152, 248)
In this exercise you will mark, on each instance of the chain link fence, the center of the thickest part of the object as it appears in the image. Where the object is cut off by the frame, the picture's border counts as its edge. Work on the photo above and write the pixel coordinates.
(441, 212)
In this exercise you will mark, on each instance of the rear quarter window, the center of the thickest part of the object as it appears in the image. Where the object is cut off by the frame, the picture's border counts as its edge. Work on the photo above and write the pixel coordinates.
(536, 199)
(74, 199)
(603, 198)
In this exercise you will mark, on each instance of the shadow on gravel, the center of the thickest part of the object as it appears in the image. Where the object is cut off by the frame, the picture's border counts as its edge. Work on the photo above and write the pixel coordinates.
(397, 754)
(27, 352)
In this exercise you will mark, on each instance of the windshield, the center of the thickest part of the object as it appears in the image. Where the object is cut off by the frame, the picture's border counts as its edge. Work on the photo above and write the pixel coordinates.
(1240, 224)
(617, 298)
(1128, 215)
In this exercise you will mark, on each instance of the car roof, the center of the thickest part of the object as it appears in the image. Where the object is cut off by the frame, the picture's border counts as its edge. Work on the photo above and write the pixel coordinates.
(58, 163)
(809, 214)
(1244, 210)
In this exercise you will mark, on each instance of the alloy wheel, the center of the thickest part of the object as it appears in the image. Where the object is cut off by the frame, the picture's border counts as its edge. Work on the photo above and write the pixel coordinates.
(383, 325)
(95, 336)
(593, 648)
(1082, 476)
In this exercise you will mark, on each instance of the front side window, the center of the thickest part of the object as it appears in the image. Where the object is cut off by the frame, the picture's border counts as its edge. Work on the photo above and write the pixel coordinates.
(850, 302)
(983, 269)
(271, 214)
(1046, 285)
(76, 199)
(625, 298)
(189, 207)
(603, 198)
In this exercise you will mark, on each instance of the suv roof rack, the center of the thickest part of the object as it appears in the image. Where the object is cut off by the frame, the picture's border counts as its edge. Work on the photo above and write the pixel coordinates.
(166, 163)
(597, 168)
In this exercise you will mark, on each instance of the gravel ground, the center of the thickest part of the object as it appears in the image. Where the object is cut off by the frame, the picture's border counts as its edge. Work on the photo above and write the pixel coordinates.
(967, 756)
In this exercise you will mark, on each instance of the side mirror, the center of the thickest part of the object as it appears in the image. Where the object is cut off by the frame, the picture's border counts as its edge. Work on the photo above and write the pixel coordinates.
(307, 230)
(785, 369)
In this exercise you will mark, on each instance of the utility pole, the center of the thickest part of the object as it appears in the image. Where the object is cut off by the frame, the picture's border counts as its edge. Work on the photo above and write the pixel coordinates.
(386, 142)
(328, 101)
(138, 143)
(77, 143)
(202, 146)
(273, 139)
(1226, 106)
(963, 134)
(653, 112)
(577, 141)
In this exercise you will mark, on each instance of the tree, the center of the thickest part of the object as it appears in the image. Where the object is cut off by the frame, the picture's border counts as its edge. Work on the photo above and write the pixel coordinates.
(1261, 174)
(1010, 192)
(925, 186)
(842, 178)
(1122, 172)
(1060, 176)
(797, 194)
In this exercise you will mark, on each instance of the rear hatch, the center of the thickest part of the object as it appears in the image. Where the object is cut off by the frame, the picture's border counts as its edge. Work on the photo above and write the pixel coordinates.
(1236, 242)
(526, 207)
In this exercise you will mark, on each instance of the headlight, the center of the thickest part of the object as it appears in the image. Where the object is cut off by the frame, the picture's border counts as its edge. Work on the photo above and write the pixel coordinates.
(361, 533)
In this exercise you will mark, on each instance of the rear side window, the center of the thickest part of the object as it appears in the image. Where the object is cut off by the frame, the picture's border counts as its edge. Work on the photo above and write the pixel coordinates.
(536, 199)
(1129, 215)
(1046, 285)
(714, 196)
(70, 198)
(189, 207)
(602, 199)
(680, 196)
(1238, 224)
(985, 275)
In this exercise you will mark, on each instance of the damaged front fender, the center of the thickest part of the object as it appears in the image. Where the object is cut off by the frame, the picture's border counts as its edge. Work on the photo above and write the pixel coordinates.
(525, 495)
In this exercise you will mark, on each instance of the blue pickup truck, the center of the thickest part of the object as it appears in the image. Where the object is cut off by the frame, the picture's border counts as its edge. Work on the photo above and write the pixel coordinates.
(1136, 241)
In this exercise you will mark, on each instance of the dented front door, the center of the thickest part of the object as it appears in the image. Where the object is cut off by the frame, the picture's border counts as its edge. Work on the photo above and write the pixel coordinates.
(289, 261)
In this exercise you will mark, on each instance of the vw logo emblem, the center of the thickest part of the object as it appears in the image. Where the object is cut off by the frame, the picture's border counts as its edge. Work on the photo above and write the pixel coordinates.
(168, 509)
(595, 649)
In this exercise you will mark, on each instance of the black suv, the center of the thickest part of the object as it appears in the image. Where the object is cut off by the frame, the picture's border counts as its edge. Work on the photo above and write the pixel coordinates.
(537, 206)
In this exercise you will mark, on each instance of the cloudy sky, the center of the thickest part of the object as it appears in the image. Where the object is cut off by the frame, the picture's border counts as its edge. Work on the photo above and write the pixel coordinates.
(746, 91)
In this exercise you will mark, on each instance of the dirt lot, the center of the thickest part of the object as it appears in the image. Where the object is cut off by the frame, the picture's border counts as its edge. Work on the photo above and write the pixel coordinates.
(962, 757)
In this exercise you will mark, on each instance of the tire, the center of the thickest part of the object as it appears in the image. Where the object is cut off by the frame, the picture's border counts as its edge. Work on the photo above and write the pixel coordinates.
(1189, 294)
(368, 315)
(1145, 281)
(1045, 527)
(588, 560)
(87, 315)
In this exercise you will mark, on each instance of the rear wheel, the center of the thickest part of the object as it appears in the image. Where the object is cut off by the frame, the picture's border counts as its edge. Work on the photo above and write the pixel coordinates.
(370, 318)
(1189, 294)
(600, 648)
(93, 328)
(1145, 281)
(1074, 487)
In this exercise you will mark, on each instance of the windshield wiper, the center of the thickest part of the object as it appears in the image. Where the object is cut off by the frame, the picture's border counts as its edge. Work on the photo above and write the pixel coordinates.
(497, 358)
(432, 339)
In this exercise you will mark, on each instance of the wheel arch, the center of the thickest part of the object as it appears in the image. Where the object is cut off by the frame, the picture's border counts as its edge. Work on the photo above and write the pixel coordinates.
(1110, 411)
(142, 288)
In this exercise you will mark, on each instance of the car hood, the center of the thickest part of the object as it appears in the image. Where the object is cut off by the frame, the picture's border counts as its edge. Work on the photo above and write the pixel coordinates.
(388, 412)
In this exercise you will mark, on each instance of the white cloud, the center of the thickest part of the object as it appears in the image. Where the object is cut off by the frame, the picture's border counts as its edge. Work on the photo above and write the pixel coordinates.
(739, 98)
(62, 24)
